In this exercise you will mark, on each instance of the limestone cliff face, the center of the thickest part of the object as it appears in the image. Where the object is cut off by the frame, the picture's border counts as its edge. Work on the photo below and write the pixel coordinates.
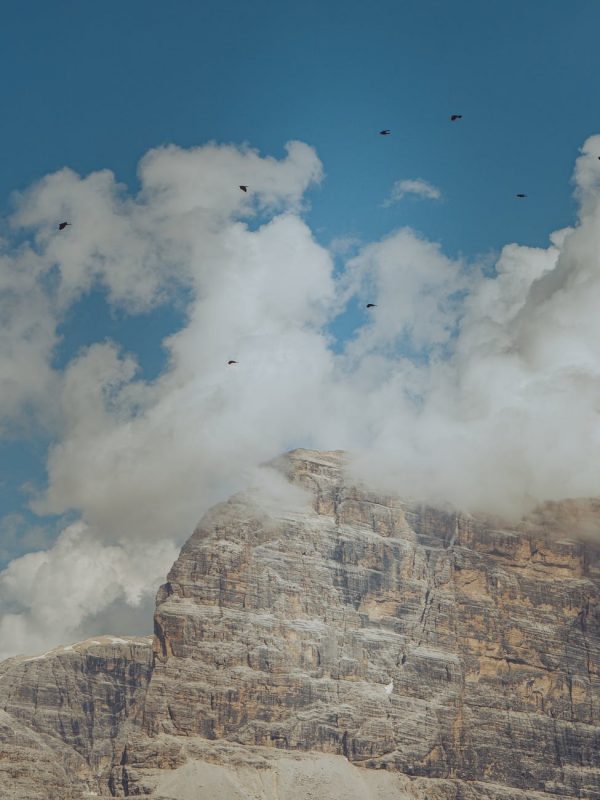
(357, 646)
(62, 712)
(284, 629)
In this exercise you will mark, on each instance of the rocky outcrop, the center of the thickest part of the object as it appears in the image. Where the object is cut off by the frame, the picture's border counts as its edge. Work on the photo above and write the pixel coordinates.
(62, 714)
(337, 642)
(395, 635)
(37, 767)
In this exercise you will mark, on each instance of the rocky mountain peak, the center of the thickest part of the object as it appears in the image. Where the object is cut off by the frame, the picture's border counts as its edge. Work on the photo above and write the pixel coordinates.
(317, 637)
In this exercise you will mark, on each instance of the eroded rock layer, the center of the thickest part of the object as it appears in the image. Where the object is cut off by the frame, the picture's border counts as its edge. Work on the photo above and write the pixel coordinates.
(319, 640)
(398, 636)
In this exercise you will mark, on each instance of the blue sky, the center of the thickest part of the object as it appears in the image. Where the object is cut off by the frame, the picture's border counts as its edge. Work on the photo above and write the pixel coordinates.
(95, 86)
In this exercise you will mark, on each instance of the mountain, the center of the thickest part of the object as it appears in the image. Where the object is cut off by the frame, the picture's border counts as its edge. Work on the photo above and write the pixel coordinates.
(317, 639)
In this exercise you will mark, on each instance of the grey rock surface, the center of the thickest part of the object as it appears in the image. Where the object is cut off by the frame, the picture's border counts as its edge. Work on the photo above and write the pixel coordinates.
(335, 637)
(62, 714)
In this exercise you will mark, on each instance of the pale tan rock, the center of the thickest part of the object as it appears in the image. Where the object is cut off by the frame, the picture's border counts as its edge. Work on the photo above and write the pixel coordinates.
(284, 623)
(36, 767)
(282, 629)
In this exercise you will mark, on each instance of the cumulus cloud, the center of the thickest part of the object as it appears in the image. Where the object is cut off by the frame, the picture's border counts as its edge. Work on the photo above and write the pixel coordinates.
(467, 388)
(261, 291)
(48, 594)
(510, 417)
(27, 338)
(416, 186)
(416, 289)
(17, 535)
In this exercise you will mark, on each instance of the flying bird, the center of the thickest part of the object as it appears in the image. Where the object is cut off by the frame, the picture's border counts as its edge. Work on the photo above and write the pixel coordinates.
(244, 188)
(63, 225)
(521, 195)
(385, 132)
(454, 117)
(389, 688)
(231, 362)
(371, 305)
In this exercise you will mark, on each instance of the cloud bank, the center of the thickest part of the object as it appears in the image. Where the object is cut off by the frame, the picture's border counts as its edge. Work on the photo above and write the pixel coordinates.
(482, 391)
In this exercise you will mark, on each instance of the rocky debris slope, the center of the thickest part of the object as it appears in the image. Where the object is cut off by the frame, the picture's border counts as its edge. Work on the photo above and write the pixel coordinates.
(62, 713)
(335, 642)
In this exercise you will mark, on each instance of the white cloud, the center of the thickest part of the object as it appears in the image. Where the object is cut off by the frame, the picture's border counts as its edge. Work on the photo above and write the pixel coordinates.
(415, 288)
(477, 390)
(17, 535)
(511, 417)
(47, 594)
(417, 186)
(259, 296)
(27, 338)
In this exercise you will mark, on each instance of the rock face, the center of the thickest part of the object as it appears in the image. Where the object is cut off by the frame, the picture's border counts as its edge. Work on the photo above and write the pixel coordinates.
(62, 713)
(345, 644)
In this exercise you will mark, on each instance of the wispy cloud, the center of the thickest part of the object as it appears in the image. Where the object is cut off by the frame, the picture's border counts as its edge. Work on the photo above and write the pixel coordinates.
(418, 187)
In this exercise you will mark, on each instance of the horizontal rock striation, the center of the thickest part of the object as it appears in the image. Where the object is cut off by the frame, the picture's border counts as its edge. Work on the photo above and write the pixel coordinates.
(317, 639)
(396, 635)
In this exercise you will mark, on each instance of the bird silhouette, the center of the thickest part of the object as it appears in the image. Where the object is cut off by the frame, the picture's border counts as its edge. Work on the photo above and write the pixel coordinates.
(63, 225)
(454, 117)
(385, 132)
(231, 362)
(521, 195)
(370, 305)
(244, 188)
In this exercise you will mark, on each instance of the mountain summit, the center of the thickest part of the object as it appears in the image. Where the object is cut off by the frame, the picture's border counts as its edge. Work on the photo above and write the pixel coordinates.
(318, 639)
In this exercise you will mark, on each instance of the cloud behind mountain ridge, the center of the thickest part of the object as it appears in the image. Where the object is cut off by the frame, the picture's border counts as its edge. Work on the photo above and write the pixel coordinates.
(467, 388)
